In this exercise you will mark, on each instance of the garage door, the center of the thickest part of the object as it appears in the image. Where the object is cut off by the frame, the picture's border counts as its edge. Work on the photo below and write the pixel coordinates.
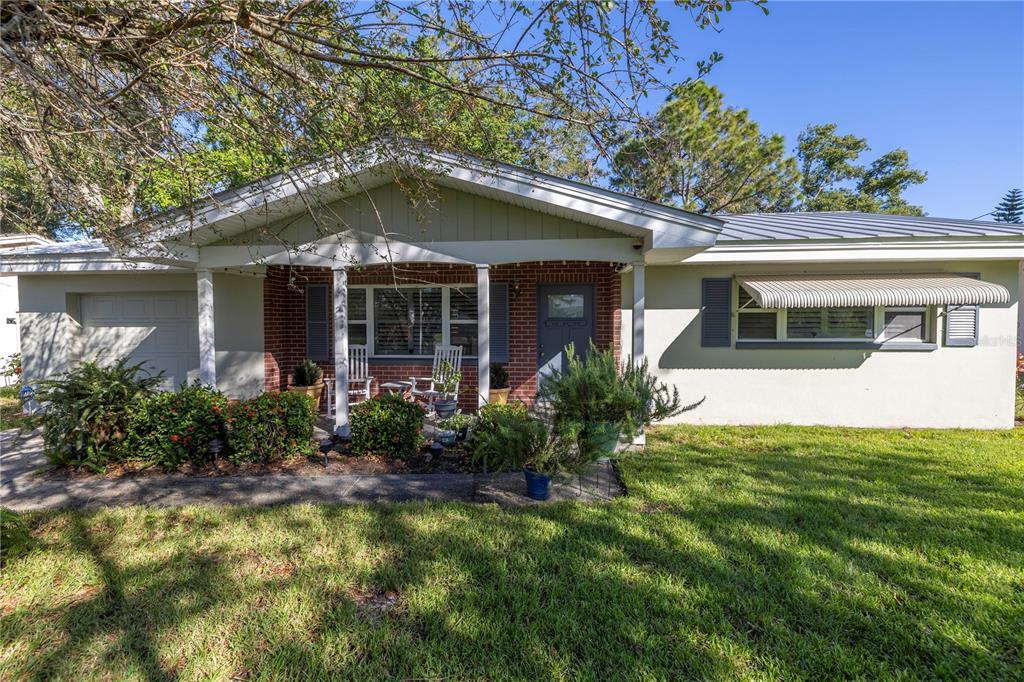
(158, 329)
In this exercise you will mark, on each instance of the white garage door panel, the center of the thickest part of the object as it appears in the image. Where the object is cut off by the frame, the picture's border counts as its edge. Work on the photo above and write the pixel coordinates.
(157, 329)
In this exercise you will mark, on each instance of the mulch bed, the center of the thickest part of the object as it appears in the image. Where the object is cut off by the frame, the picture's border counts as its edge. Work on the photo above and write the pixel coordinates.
(339, 462)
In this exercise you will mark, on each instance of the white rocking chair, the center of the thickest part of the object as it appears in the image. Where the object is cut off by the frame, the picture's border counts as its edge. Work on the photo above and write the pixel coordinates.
(358, 373)
(425, 388)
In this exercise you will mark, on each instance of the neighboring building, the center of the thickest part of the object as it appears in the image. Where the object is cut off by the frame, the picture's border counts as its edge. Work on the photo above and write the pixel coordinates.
(805, 318)
(9, 337)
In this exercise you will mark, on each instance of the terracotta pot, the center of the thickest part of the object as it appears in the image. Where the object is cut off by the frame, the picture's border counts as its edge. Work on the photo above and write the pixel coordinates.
(313, 391)
(498, 396)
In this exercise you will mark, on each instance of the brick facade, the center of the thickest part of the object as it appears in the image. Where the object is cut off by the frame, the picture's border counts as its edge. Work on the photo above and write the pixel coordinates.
(285, 309)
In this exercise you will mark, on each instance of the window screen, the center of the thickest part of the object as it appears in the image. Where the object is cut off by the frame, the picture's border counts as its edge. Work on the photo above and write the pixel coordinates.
(406, 321)
(904, 325)
(830, 323)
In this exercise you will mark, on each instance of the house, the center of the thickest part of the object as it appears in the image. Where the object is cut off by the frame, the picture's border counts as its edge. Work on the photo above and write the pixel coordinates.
(804, 318)
(10, 339)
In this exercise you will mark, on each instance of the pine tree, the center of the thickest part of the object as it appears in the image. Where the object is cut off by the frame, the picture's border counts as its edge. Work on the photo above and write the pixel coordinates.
(1011, 208)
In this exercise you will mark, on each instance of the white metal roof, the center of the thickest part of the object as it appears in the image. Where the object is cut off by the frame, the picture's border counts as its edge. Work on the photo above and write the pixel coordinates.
(854, 225)
(823, 291)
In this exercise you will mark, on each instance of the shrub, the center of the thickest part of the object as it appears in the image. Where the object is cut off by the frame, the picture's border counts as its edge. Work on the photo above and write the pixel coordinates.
(387, 425)
(598, 389)
(308, 373)
(170, 429)
(86, 411)
(271, 426)
(506, 438)
(499, 375)
(15, 538)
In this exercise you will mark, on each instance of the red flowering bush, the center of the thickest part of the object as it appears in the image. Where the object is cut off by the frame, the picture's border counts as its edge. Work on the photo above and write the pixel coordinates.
(170, 429)
(271, 426)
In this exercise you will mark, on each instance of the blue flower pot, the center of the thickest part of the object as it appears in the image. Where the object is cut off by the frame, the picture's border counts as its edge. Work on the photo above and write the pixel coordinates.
(538, 486)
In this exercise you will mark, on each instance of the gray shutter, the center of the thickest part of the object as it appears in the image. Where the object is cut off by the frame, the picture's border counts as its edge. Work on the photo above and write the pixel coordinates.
(318, 322)
(499, 322)
(962, 321)
(716, 311)
(961, 325)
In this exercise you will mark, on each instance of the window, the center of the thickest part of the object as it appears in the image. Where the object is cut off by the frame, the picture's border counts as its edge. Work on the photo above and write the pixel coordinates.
(407, 321)
(866, 324)
(905, 325)
(830, 323)
(755, 322)
(566, 306)
(462, 319)
(357, 317)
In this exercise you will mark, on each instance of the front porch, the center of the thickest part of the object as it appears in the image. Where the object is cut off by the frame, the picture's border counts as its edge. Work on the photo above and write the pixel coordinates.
(446, 307)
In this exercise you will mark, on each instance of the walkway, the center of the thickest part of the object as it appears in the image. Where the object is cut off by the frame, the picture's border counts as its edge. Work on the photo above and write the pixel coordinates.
(22, 488)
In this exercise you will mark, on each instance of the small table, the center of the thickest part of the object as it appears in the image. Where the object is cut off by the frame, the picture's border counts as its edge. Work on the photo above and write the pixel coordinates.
(396, 386)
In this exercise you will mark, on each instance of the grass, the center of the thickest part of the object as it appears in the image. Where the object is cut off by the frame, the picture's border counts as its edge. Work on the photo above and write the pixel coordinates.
(739, 553)
(11, 416)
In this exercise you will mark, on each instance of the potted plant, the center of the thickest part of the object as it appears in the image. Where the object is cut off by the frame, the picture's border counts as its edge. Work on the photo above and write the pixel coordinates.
(446, 384)
(498, 393)
(458, 424)
(560, 451)
(308, 379)
(612, 401)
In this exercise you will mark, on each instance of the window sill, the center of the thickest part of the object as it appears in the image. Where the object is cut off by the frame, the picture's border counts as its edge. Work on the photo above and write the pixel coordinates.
(839, 345)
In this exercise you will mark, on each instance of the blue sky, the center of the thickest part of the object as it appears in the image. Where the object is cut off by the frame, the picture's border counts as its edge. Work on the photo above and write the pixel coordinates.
(944, 80)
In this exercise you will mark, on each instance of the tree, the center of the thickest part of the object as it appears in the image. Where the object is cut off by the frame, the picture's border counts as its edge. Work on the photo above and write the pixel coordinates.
(118, 108)
(1011, 208)
(833, 180)
(702, 156)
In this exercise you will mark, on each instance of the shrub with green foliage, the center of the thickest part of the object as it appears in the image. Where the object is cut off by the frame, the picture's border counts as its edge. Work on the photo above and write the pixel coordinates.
(270, 427)
(506, 437)
(308, 373)
(597, 388)
(387, 425)
(170, 429)
(15, 538)
(86, 411)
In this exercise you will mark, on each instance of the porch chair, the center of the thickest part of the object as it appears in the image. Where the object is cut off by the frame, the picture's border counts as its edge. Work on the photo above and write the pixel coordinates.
(425, 388)
(358, 373)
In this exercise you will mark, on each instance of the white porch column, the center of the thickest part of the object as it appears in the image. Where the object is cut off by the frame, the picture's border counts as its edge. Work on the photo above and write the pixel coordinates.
(483, 333)
(639, 295)
(207, 347)
(341, 427)
(639, 285)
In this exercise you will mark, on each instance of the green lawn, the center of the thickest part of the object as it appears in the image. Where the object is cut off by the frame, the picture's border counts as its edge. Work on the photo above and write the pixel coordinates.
(11, 416)
(750, 553)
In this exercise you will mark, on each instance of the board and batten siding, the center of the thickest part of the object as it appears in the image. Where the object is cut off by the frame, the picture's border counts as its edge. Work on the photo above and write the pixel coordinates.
(951, 386)
(451, 216)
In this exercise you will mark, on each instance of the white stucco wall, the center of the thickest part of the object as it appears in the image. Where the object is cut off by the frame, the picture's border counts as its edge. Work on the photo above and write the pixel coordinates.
(50, 329)
(8, 310)
(947, 387)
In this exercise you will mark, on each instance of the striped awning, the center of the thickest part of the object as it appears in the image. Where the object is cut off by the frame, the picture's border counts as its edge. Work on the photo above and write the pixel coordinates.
(835, 291)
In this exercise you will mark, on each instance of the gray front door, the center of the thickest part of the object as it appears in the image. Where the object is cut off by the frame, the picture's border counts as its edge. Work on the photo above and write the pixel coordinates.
(565, 314)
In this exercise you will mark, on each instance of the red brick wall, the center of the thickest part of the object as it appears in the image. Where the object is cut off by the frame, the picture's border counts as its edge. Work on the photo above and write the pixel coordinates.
(285, 328)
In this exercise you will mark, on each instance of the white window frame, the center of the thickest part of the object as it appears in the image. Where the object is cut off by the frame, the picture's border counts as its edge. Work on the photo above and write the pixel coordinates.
(878, 321)
(446, 322)
(929, 323)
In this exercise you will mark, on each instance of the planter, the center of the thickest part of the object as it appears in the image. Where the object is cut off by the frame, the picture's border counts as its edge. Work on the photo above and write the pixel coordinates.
(445, 408)
(603, 437)
(436, 449)
(538, 486)
(446, 438)
(313, 391)
(463, 433)
(498, 396)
